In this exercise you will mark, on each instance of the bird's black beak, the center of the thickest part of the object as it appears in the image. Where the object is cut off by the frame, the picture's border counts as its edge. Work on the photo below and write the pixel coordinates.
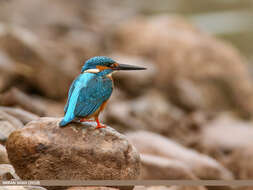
(125, 67)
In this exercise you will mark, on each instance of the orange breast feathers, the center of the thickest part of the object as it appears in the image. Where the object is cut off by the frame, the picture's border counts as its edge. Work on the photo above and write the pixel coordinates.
(100, 109)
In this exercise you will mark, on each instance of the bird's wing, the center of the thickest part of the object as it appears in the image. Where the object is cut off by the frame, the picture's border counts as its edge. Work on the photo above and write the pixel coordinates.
(94, 92)
(77, 85)
(69, 94)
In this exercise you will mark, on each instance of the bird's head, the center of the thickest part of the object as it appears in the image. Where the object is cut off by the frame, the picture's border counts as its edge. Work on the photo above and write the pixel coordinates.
(105, 65)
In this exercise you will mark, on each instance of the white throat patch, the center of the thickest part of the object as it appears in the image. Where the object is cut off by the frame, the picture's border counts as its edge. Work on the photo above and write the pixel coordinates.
(92, 71)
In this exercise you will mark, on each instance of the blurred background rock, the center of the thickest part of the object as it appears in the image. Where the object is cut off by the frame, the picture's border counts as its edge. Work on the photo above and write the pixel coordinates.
(197, 94)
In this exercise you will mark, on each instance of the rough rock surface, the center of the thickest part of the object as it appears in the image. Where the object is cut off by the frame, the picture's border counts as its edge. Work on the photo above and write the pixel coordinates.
(153, 112)
(144, 114)
(202, 166)
(3, 155)
(15, 97)
(240, 162)
(7, 172)
(196, 71)
(224, 135)
(66, 35)
(8, 124)
(157, 167)
(229, 140)
(42, 150)
(20, 43)
(22, 115)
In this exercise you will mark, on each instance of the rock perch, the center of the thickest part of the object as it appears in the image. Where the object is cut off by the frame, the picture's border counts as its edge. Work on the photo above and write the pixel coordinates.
(42, 150)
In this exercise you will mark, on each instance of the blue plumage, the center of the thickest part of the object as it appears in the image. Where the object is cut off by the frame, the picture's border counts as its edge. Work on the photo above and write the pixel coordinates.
(87, 93)
(95, 61)
(91, 89)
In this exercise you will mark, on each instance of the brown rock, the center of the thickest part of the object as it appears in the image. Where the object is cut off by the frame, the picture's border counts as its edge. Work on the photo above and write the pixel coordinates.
(7, 70)
(3, 155)
(229, 140)
(65, 36)
(12, 120)
(224, 135)
(42, 150)
(15, 97)
(53, 108)
(8, 124)
(156, 167)
(34, 58)
(7, 172)
(201, 165)
(22, 115)
(240, 162)
(144, 114)
(152, 112)
(196, 71)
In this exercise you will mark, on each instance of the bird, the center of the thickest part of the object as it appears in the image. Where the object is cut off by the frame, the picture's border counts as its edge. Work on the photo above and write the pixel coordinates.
(90, 91)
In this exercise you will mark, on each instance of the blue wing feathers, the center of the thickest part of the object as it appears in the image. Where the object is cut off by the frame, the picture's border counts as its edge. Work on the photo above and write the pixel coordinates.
(91, 98)
(87, 93)
(72, 101)
(69, 94)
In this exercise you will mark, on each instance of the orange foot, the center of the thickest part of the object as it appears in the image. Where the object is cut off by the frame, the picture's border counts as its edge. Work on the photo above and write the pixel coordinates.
(99, 126)
(85, 120)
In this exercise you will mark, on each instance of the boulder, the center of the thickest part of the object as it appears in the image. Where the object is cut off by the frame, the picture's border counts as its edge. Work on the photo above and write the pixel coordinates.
(43, 150)
(8, 124)
(7, 172)
(153, 112)
(7, 70)
(240, 162)
(22, 115)
(34, 58)
(196, 70)
(66, 35)
(15, 97)
(200, 165)
(140, 112)
(225, 134)
(3, 155)
(229, 140)
(160, 168)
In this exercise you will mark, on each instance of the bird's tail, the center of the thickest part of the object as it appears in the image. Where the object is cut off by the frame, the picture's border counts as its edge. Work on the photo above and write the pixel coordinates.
(64, 122)
(70, 114)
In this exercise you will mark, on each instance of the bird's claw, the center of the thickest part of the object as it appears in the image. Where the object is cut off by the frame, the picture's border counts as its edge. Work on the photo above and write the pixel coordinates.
(100, 126)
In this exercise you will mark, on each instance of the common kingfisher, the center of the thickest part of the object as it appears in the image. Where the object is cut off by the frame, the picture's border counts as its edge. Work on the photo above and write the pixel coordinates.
(90, 91)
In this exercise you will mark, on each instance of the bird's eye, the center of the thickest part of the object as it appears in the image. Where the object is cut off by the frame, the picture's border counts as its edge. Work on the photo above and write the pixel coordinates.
(114, 65)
